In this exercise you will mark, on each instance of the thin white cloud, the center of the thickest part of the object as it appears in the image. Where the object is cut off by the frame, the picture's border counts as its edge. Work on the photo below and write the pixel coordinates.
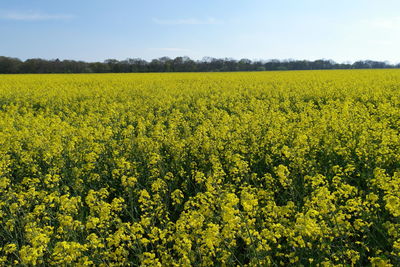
(387, 23)
(186, 21)
(171, 49)
(32, 16)
(382, 42)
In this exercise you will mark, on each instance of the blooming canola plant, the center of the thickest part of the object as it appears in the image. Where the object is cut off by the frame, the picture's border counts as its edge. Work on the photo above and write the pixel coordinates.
(204, 169)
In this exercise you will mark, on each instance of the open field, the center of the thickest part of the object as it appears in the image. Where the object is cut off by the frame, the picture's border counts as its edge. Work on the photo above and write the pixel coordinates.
(223, 169)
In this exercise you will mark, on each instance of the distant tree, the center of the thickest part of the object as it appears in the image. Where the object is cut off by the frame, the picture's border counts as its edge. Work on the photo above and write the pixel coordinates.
(244, 64)
(167, 63)
(9, 65)
(98, 67)
(178, 64)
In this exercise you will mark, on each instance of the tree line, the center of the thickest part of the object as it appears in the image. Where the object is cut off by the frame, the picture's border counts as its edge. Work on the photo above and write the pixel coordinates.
(10, 65)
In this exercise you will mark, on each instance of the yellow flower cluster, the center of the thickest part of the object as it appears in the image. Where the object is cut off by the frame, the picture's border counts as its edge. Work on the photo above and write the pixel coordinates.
(206, 169)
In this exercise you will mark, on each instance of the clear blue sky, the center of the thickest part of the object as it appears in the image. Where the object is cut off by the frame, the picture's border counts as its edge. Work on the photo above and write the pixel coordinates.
(91, 30)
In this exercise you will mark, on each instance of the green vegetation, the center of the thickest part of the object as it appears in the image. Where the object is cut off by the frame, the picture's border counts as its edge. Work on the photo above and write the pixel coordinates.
(227, 169)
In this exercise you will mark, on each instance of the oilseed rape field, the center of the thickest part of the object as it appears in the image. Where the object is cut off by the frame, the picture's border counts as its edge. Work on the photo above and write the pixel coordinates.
(203, 169)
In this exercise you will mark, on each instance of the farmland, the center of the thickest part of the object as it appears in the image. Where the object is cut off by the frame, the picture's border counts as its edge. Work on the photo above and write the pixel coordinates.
(201, 169)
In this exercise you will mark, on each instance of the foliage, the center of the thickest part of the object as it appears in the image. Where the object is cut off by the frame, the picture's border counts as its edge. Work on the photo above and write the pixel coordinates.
(179, 64)
(243, 169)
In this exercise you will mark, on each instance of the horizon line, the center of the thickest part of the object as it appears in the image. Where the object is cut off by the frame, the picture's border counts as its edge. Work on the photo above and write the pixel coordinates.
(204, 58)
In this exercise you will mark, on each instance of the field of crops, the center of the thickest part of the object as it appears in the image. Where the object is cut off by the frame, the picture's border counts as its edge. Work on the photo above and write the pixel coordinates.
(205, 169)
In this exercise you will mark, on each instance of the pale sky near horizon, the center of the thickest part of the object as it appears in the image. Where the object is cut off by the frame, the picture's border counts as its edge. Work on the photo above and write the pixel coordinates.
(95, 30)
